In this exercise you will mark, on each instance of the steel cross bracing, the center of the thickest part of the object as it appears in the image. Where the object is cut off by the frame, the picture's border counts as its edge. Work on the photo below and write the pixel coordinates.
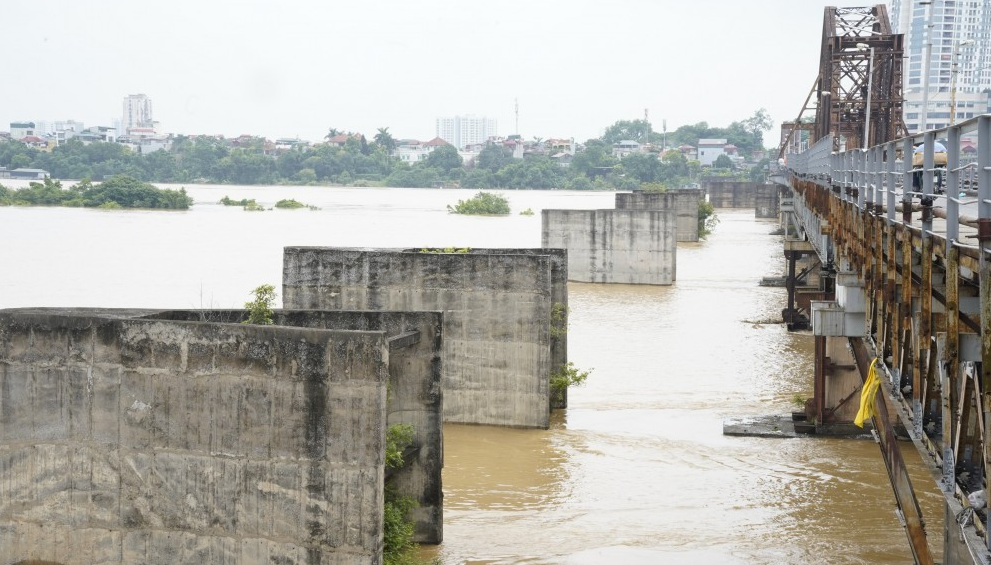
(912, 224)
(851, 38)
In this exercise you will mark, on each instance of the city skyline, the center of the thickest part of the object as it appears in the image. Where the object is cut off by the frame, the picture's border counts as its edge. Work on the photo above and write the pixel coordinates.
(959, 44)
(278, 71)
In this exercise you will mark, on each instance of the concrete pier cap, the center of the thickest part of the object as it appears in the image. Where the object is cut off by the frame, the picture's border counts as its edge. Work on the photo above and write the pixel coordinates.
(163, 436)
(499, 351)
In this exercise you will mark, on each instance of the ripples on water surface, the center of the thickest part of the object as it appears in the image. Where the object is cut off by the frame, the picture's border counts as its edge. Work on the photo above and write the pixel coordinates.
(635, 471)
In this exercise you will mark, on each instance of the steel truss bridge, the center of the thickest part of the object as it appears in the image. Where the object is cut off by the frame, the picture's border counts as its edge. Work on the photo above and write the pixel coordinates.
(901, 229)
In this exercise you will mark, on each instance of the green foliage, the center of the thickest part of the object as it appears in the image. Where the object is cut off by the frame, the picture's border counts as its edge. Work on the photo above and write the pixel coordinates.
(527, 212)
(260, 309)
(445, 158)
(227, 201)
(397, 527)
(253, 206)
(385, 140)
(492, 158)
(636, 130)
(559, 320)
(653, 187)
(567, 376)
(483, 203)
(758, 171)
(707, 218)
(644, 167)
(289, 203)
(445, 250)
(580, 183)
(397, 438)
(120, 191)
(417, 176)
(723, 162)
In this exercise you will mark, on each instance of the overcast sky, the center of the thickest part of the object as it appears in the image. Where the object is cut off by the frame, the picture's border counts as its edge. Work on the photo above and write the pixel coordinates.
(296, 68)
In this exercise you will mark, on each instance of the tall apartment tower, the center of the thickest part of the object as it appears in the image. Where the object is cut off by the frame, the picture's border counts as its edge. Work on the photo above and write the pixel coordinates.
(461, 131)
(137, 114)
(959, 30)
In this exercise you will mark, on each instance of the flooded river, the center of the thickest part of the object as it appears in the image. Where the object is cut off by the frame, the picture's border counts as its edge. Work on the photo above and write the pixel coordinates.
(635, 471)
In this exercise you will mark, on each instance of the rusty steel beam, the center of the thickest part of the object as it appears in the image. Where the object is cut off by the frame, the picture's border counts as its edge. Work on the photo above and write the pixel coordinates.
(984, 399)
(901, 484)
(922, 344)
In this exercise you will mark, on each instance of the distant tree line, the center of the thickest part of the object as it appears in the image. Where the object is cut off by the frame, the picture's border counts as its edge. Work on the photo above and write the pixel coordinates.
(360, 163)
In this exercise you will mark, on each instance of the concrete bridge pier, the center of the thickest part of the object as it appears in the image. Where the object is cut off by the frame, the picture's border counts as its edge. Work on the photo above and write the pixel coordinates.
(837, 382)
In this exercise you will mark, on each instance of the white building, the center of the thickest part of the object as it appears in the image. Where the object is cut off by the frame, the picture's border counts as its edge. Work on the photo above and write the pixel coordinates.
(955, 24)
(413, 151)
(137, 114)
(461, 131)
(20, 130)
(710, 149)
(624, 148)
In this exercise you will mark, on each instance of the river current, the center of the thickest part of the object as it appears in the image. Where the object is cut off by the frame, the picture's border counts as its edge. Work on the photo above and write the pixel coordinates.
(635, 471)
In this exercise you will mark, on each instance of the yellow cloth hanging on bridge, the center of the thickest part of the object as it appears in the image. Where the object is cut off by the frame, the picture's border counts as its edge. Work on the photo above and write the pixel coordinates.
(868, 396)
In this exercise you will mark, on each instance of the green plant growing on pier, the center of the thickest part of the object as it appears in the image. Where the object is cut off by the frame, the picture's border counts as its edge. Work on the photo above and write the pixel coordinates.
(482, 204)
(260, 309)
(567, 376)
(445, 250)
(559, 320)
(527, 212)
(707, 219)
(397, 526)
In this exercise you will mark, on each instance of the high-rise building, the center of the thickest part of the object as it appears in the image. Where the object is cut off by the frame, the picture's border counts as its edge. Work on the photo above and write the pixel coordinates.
(137, 114)
(461, 131)
(959, 32)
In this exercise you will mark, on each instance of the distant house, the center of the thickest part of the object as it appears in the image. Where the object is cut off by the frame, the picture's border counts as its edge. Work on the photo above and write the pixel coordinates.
(710, 149)
(412, 151)
(555, 146)
(34, 141)
(341, 140)
(29, 174)
(563, 159)
(624, 148)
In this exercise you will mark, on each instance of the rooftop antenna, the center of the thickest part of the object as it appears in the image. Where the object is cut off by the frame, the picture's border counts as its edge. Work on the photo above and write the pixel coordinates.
(517, 101)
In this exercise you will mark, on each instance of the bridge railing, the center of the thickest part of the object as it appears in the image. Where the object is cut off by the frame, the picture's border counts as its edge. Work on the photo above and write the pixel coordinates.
(948, 170)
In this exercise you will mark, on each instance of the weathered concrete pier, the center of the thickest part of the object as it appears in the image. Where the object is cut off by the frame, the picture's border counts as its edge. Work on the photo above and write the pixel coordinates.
(499, 348)
(141, 436)
(615, 246)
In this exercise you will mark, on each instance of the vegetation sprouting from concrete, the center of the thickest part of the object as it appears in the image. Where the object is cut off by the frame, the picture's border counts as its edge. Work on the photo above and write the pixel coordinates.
(559, 320)
(260, 309)
(445, 250)
(567, 376)
(707, 219)
(397, 526)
